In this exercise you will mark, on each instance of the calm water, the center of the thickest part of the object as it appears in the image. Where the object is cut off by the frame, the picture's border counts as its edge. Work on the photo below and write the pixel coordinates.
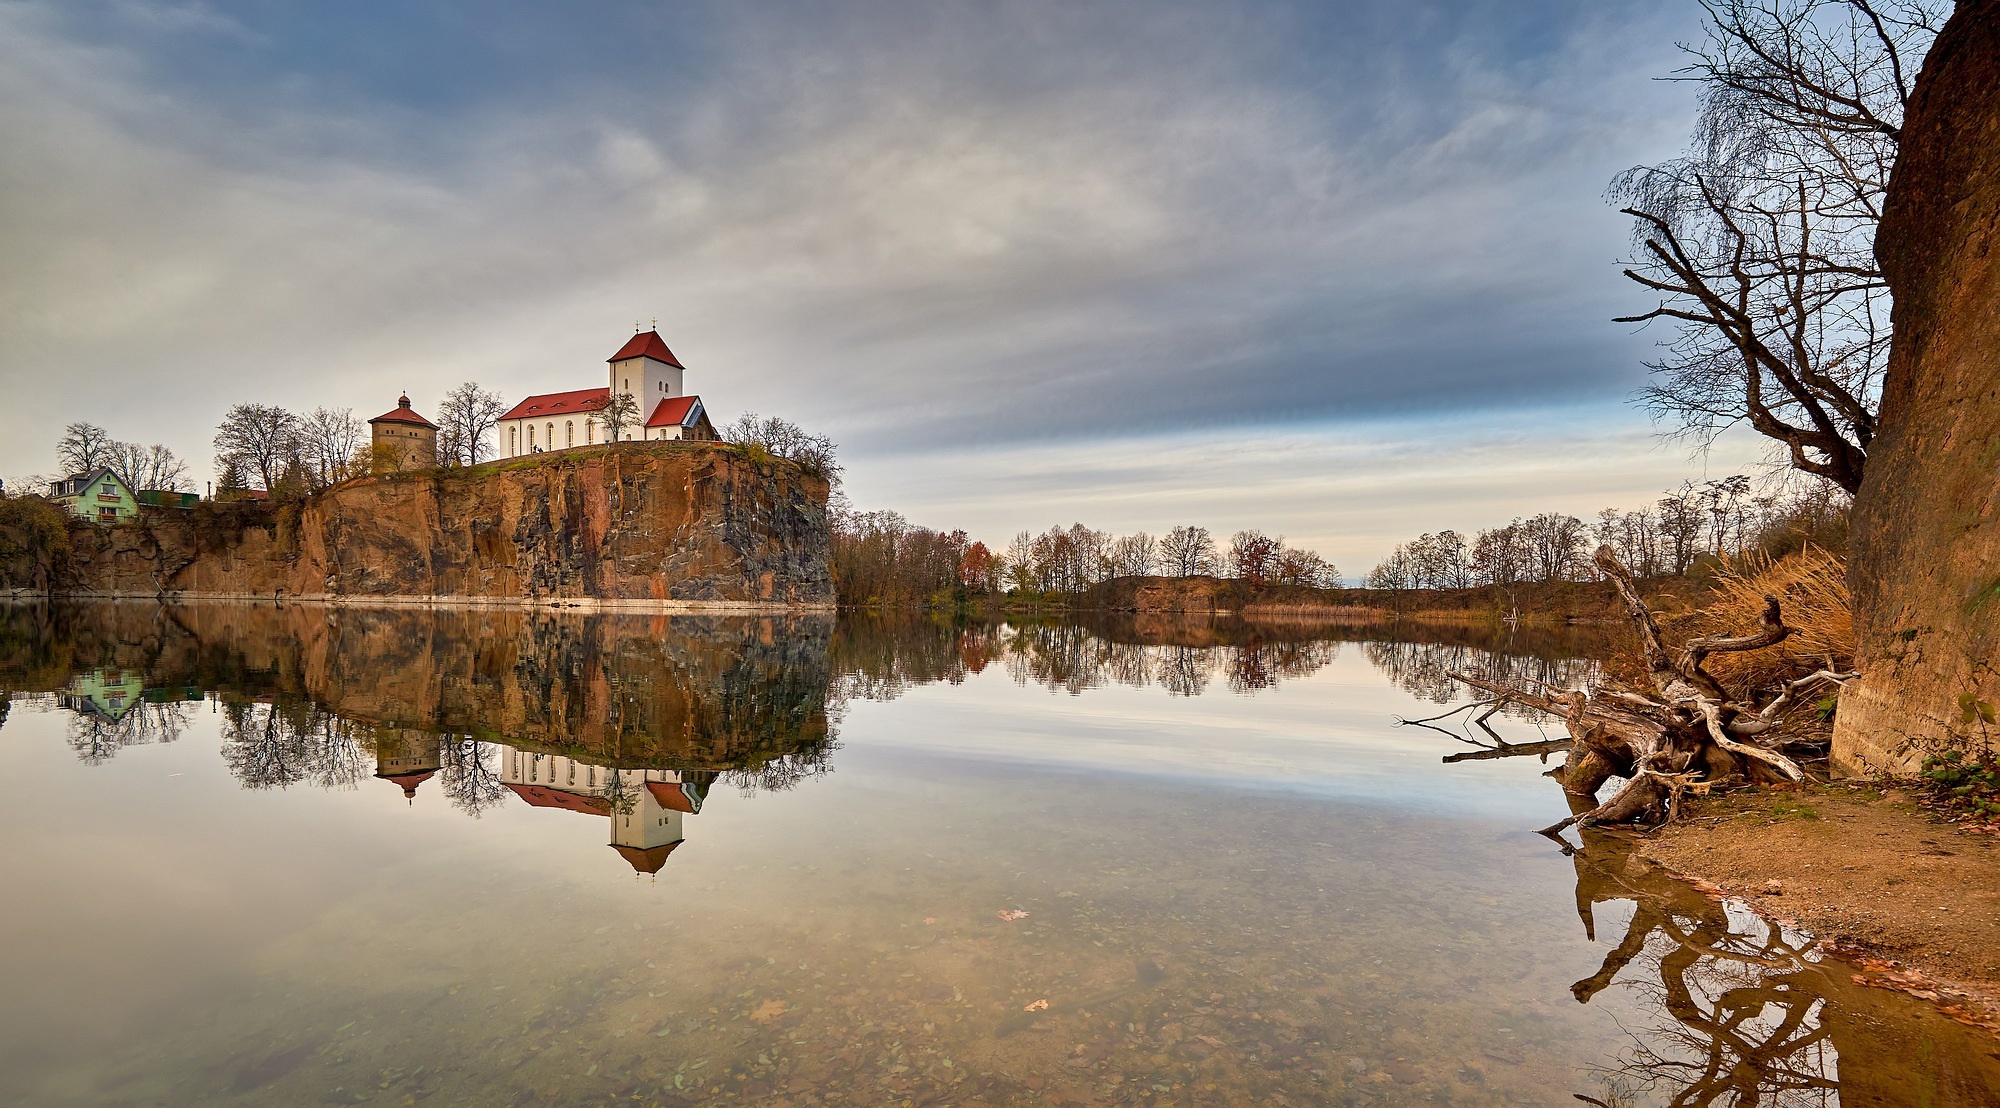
(287, 856)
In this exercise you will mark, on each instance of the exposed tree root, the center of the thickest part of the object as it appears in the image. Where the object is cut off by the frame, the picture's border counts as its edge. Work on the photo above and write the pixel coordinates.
(1685, 734)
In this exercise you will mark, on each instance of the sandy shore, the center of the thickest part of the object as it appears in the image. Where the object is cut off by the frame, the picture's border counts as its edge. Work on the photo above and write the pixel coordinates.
(1912, 898)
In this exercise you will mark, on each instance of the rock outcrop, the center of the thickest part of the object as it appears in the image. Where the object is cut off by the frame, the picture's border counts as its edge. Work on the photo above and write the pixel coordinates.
(1925, 563)
(657, 525)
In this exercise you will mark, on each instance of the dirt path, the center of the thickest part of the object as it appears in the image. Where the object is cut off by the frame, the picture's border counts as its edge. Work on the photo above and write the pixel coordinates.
(1859, 865)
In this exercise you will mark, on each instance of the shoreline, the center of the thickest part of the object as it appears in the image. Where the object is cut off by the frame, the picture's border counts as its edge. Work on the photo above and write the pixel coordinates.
(1911, 900)
(584, 604)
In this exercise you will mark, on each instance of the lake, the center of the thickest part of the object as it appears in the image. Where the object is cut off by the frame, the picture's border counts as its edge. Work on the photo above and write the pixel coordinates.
(298, 855)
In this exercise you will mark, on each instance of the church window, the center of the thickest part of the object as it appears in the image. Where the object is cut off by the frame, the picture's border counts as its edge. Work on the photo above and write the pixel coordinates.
(569, 432)
(513, 441)
(531, 436)
(589, 432)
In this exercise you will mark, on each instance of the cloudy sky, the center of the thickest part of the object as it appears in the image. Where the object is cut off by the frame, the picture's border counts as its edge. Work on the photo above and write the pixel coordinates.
(1342, 270)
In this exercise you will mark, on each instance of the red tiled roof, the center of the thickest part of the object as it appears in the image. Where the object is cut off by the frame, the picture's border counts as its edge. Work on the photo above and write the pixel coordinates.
(670, 796)
(403, 413)
(559, 403)
(673, 411)
(647, 345)
(408, 782)
(646, 861)
(542, 797)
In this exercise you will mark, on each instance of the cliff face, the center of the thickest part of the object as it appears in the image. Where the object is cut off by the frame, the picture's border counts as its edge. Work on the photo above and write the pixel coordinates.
(1925, 563)
(640, 523)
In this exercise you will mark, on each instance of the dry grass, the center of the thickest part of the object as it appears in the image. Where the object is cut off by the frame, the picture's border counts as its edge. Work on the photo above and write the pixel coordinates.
(1313, 613)
(1812, 587)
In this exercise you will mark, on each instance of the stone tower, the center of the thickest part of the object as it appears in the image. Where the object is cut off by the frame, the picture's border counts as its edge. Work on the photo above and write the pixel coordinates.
(402, 440)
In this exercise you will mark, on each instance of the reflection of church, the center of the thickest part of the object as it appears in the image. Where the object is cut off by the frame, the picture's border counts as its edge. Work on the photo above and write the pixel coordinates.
(646, 806)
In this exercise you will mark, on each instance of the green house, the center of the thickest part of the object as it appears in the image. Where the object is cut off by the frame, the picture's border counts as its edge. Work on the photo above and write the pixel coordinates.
(98, 496)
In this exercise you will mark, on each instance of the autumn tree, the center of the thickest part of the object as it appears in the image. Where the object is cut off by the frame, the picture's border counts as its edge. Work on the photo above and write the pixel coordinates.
(1760, 241)
(1253, 556)
(782, 438)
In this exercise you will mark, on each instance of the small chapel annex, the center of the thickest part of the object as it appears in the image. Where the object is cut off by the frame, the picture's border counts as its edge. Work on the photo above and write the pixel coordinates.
(643, 369)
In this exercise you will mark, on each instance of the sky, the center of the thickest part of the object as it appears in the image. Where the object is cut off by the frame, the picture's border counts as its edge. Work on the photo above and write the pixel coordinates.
(1339, 270)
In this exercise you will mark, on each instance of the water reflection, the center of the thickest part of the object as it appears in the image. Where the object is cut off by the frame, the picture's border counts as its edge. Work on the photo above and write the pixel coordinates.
(1291, 949)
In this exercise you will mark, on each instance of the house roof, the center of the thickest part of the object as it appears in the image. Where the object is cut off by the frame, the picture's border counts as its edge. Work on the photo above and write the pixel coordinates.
(559, 403)
(543, 797)
(648, 344)
(675, 411)
(647, 861)
(671, 796)
(74, 485)
(408, 782)
(403, 413)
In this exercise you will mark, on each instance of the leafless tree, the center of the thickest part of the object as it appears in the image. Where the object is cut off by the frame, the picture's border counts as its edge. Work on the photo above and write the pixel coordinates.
(618, 416)
(330, 442)
(1188, 552)
(146, 467)
(785, 439)
(83, 447)
(260, 439)
(1132, 555)
(1760, 240)
(467, 415)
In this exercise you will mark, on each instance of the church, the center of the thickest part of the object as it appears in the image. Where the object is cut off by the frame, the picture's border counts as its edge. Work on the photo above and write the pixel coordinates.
(644, 370)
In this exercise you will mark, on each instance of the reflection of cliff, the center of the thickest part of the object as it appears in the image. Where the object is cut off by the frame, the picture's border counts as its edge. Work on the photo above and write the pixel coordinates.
(679, 692)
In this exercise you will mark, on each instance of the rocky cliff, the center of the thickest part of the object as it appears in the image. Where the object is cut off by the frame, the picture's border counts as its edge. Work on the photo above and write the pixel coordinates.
(633, 525)
(1925, 562)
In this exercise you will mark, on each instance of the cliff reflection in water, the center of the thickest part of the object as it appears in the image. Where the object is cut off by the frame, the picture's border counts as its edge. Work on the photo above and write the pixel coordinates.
(639, 722)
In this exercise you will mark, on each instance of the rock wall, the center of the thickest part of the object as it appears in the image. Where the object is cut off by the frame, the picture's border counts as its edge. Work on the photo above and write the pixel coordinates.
(1925, 562)
(633, 525)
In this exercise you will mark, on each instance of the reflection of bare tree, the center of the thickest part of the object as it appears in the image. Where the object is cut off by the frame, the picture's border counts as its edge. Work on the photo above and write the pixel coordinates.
(1747, 1014)
(1073, 658)
(270, 746)
(96, 737)
(469, 774)
(1422, 668)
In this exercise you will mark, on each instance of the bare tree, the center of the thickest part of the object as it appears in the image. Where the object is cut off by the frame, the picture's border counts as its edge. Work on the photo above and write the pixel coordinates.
(619, 414)
(1188, 552)
(146, 467)
(1132, 555)
(467, 415)
(260, 439)
(785, 439)
(83, 447)
(1760, 240)
(330, 445)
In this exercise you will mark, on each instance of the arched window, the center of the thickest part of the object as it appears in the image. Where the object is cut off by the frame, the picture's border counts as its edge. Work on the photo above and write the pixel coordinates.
(513, 441)
(569, 432)
(589, 432)
(551, 438)
(531, 437)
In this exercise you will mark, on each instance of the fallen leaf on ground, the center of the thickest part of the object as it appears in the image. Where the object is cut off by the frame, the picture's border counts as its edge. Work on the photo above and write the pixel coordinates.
(930, 919)
(1037, 1006)
(1011, 914)
(768, 1011)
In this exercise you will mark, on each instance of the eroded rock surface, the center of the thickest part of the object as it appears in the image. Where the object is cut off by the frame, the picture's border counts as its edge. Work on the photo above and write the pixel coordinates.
(1925, 566)
(634, 523)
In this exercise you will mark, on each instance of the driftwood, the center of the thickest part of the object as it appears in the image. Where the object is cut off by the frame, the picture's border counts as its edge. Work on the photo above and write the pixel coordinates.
(1684, 734)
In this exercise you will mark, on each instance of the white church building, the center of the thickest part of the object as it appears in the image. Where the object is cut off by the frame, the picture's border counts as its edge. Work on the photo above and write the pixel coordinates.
(644, 830)
(643, 369)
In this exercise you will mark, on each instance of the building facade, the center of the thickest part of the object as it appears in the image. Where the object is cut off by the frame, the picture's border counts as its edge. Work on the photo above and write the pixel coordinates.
(99, 496)
(400, 439)
(645, 370)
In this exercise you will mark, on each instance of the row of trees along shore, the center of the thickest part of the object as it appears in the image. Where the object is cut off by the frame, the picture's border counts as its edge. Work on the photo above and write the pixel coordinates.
(882, 558)
(1696, 523)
